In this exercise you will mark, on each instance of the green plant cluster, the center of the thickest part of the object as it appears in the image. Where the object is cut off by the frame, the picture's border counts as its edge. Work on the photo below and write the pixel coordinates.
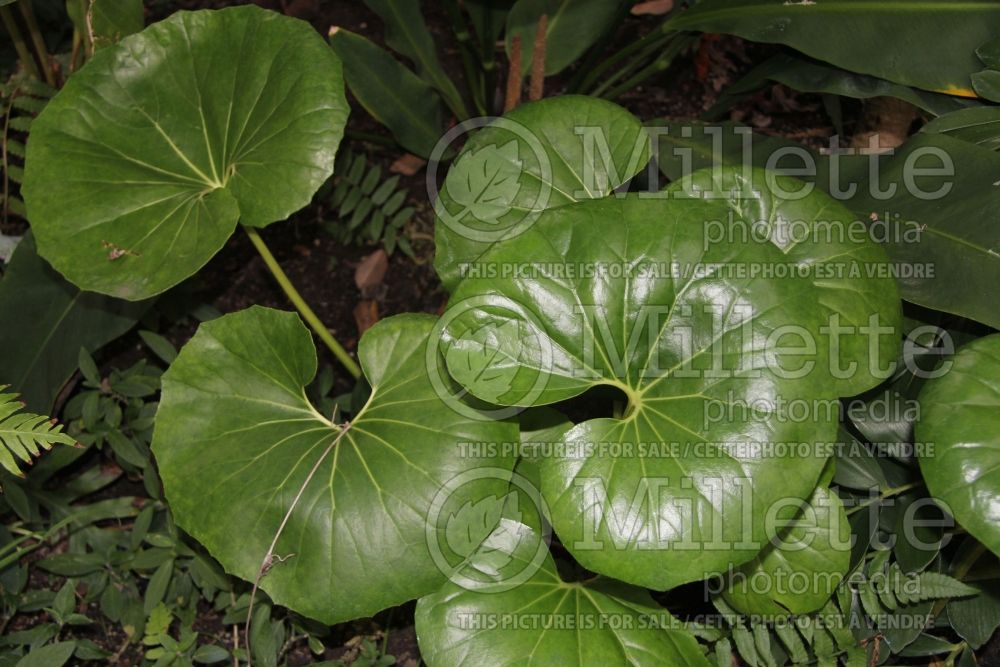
(235, 459)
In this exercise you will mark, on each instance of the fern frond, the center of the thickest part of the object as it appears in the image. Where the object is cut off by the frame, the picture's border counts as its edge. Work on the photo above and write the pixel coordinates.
(24, 435)
(32, 105)
(937, 586)
(367, 207)
(37, 88)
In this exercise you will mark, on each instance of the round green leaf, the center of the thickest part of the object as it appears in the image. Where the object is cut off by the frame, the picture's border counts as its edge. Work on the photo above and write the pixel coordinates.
(540, 155)
(814, 231)
(696, 342)
(799, 571)
(960, 415)
(545, 620)
(236, 439)
(140, 168)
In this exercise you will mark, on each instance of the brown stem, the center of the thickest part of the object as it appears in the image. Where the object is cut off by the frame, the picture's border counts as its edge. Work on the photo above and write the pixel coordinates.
(537, 86)
(513, 97)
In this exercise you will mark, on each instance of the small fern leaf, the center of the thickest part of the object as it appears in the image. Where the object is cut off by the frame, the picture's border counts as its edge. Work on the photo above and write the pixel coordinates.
(24, 435)
(15, 148)
(745, 645)
(32, 105)
(723, 653)
(869, 600)
(15, 173)
(15, 206)
(934, 585)
(790, 638)
(762, 642)
(20, 123)
(37, 88)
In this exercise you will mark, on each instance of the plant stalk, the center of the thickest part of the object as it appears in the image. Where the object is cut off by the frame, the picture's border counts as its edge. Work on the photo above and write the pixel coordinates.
(270, 557)
(20, 46)
(307, 313)
(654, 37)
(473, 70)
(39, 42)
(888, 493)
(655, 67)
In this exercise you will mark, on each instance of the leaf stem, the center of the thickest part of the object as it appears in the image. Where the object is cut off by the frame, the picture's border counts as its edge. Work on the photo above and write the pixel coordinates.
(19, 44)
(269, 557)
(39, 42)
(888, 493)
(660, 64)
(656, 36)
(307, 313)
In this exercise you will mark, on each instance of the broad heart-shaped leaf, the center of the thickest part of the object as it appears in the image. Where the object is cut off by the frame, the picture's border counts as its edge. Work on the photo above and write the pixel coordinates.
(860, 38)
(236, 439)
(815, 231)
(139, 169)
(960, 414)
(799, 571)
(545, 620)
(540, 155)
(629, 292)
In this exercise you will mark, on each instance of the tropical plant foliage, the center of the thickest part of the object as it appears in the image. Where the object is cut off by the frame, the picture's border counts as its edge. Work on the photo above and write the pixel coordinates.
(590, 310)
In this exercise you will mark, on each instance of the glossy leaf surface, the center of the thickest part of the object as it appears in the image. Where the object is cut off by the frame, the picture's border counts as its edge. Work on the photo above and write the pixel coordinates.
(960, 414)
(602, 621)
(540, 155)
(679, 346)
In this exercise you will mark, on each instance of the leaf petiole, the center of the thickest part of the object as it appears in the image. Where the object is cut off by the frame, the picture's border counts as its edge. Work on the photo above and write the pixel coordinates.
(304, 310)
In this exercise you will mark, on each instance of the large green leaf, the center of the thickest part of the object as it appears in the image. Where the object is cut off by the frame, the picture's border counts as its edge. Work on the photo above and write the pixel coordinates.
(573, 26)
(603, 304)
(236, 439)
(960, 415)
(546, 620)
(140, 168)
(392, 94)
(976, 618)
(815, 231)
(898, 40)
(108, 20)
(979, 126)
(931, 203)
(802, 567)
(941, 221)
(406, 33)
(540, 155)
(48, 321)
(810, 76)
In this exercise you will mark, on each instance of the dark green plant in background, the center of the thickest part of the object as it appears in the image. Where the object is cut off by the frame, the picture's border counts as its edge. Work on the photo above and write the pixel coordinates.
(366, 208)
